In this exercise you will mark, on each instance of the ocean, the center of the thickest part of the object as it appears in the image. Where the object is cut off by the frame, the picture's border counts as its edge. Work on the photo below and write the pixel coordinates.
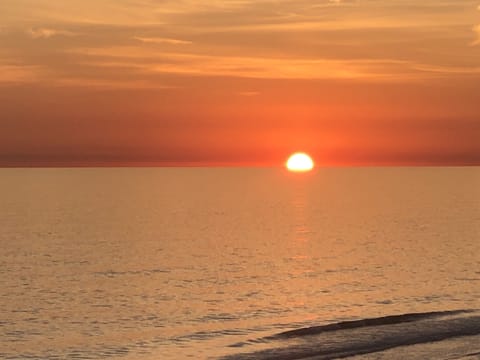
(240, 263)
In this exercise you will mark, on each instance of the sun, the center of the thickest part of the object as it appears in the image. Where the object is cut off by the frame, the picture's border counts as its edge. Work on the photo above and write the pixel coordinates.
(299, 162)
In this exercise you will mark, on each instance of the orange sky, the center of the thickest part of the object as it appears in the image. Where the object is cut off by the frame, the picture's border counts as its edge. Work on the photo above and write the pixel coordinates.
(120, 82)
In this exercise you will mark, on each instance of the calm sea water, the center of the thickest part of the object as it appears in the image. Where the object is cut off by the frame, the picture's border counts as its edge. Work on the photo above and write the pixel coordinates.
(171, 263)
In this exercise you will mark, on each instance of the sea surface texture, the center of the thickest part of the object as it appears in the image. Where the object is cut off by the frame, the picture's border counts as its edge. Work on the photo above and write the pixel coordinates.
(240, 263)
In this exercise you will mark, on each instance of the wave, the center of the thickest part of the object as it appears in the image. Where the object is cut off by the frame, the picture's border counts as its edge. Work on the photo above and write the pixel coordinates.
(359, 337)
(385, 320)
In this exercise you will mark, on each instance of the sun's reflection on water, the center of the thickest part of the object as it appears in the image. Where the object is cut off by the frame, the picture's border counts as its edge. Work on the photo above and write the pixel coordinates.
(301, 231)
(300, 208)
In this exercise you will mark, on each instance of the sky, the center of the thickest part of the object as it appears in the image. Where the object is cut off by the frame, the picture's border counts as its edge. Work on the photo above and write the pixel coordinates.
(239, 82)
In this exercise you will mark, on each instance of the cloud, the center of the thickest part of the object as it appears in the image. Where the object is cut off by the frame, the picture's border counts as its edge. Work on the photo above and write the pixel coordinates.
(108, 84)
(46, 33)
(202, 15)
(145, 60)
(476, 30)
(459, 70)
(19, 73)
(157, 40)
(249, 93)
(23, 74)
(295, 39)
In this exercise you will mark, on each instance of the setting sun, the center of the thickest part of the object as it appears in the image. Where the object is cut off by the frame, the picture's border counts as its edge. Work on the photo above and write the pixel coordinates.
(300, 162)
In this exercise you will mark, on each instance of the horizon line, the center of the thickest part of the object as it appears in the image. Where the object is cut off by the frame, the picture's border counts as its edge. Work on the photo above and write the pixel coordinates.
(26, 165)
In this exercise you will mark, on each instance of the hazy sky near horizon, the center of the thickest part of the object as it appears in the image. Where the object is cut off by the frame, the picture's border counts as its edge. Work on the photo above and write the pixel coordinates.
(239, 81)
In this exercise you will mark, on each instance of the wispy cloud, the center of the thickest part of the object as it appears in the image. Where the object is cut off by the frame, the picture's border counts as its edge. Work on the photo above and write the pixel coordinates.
(476, 30)
(46, 33)
(108, 84)
(157, 40)
(150, 61)
(249, 93)
(459, 70)
(19, 73)
(275, 39)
